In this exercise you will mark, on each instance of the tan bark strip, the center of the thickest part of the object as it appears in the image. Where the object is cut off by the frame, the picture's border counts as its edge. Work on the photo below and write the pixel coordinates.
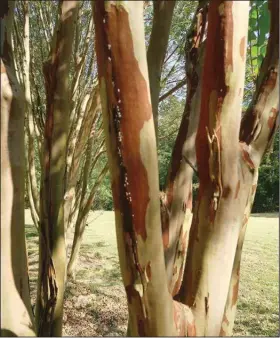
(179, 181)
(163, 12)
(215, 227)
(16, 312)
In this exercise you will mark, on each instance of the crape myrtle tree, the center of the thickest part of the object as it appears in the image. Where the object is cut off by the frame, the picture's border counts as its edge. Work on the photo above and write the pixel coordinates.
(181, 278)
(50, 97)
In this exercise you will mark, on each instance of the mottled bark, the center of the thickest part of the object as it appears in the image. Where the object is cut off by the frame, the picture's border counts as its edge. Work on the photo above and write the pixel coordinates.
(52, 254)
(178, 199)
(216, 225)
(163, 12)
(257, 131)
(16, 313)
(131, 148)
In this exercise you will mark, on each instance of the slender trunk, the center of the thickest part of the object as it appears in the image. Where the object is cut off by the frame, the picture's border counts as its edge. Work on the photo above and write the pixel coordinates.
(163, 12)
(257, 131)
(30, 124)
(52, 254)
(131, 148)
(16, 312)
(178, 199)
(79, 146)
(217, 220)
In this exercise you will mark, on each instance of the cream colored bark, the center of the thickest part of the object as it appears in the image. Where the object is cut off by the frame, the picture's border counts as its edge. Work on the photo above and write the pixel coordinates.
(258, 127)
(163, 12)
(131, 148)
(216, 225)
(16, 313)
(178, 198)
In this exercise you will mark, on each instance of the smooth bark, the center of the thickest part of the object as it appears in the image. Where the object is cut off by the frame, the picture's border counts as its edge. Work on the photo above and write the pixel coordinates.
(131, 148)
(163, 12)
(16, 313)
(257, 131)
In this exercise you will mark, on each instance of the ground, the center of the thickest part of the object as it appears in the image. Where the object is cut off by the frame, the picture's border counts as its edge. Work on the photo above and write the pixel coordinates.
(95, 303)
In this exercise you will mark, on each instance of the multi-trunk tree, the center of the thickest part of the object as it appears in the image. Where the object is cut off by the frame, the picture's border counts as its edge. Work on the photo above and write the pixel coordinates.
(180, 266)
(158, 262)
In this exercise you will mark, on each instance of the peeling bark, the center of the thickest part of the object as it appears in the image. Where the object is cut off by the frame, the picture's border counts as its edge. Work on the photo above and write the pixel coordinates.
(131, 148)
(215, 226)
(52, 254)
(179, 182)
(262, 115)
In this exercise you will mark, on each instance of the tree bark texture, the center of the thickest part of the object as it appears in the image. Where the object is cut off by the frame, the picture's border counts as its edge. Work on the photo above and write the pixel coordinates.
(16, 312)
(178, 194)
(227, 166)
(131, 148)
(258, 127)
(52, 254)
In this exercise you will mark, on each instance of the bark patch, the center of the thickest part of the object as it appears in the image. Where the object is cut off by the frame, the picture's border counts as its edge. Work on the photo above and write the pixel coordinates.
(242, 48)
(235, 293)
(272, 118)
(130, 99)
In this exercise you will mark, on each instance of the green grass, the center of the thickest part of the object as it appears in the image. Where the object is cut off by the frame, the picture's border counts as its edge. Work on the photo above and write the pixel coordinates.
(98, 274)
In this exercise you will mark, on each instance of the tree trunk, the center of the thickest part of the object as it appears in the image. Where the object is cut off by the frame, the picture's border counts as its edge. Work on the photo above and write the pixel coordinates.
(257, 131)
(131, 147)
(84, 208)
(52, 254)
(16, 313)
(227, 166)
(163, 12)
(81, 141)
(178, 195)
(223, 190)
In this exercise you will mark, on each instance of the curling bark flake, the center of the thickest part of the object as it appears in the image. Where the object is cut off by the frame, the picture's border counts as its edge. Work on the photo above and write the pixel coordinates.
(16, 312)
(52, 255)
(131, 148)
(177, 214)
(216, 225)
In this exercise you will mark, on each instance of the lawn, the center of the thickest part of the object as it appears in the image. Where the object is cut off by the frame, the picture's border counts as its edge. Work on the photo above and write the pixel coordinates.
(95, 303)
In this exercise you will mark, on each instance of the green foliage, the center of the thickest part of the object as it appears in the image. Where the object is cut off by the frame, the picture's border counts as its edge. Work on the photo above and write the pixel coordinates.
(259, 21)
(267, 195)
(104, 199)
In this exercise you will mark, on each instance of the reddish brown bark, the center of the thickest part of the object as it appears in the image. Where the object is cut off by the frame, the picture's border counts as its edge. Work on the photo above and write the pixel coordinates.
(179, 182)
